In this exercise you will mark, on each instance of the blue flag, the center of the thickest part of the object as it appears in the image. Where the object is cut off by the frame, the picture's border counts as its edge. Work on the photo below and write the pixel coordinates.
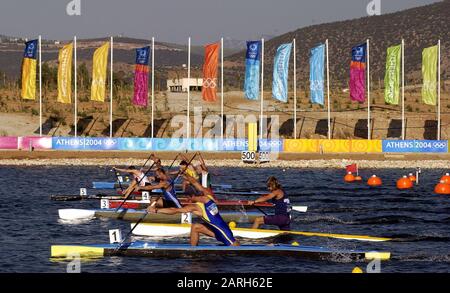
(281, 73)
(316, 74)
(142, 55)
(252, 65)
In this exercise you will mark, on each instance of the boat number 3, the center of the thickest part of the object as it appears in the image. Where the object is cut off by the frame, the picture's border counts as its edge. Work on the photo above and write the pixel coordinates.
(186, 218)
(115, 236)
(104, 203)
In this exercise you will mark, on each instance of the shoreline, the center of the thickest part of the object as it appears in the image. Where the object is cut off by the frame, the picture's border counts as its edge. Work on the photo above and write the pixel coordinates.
(285, 161)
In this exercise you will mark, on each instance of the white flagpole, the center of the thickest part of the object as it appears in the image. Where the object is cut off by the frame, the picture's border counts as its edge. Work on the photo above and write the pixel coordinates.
(295, 89)
(368, 90)
(111, 91)
(328, 92)
(221, 90)
(153, 85)
(188, 118)
(75, 87)
(403, 90)
(40, 86)
(439, 91)
(262, 91)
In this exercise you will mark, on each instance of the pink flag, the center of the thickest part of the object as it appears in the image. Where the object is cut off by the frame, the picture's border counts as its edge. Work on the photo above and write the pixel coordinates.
(140, 97)
(358, 74)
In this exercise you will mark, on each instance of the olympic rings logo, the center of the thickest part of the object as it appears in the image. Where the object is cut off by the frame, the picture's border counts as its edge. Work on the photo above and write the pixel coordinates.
(210, 83)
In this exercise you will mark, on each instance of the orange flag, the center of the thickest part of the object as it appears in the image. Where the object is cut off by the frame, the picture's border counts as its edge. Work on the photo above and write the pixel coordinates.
(210, 72)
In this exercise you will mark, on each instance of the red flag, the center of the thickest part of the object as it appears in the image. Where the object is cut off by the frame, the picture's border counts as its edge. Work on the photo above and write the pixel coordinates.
(210, 72)
(352, 168)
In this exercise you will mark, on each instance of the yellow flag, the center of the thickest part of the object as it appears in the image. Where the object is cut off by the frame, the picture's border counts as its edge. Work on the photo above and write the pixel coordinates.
(100, 63)
(65, 74)
(29, 70)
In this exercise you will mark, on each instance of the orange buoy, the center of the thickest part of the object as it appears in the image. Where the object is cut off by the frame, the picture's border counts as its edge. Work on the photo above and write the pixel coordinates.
(374, 181)
(446, 178)
(442, 188)
(349, 177)
(404, 183)
(358, 178)
(412, 177)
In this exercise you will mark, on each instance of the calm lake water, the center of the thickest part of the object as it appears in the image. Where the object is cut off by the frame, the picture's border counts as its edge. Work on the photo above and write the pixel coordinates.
(417, 218)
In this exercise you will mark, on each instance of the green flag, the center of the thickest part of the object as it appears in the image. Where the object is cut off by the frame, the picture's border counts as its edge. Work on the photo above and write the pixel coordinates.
(429, 72)
(392, 75)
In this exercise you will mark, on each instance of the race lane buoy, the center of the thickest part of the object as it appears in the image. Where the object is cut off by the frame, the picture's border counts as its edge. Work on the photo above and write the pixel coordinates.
(404, 183)
(442, 188)
(358, 178)
(446, 178)
(357, 270)
(349, 177)
(412, 178)
(374, 181)
(232, 225)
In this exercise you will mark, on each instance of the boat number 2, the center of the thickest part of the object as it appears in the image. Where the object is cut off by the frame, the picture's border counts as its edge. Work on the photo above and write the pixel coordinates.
(186, 218)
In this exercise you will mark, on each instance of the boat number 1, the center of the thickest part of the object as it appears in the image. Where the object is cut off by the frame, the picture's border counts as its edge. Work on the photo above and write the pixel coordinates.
(186, 218)
(115, 236)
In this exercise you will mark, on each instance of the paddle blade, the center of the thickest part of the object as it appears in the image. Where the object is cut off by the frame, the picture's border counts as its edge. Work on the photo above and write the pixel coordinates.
(300, 209)
(75, 214)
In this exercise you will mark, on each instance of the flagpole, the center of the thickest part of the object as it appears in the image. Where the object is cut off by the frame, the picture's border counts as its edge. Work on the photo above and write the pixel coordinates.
(188, 128)
(111, 92)
(295, 89)
(328, 93)
(439, 91)
(368, 90)
(153, 85)
(40, 86)
(262, 91)
(403, 90)
(221, 90)
(75, 86)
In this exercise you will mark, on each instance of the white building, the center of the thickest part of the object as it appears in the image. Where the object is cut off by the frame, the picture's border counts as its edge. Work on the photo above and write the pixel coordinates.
(181, 85)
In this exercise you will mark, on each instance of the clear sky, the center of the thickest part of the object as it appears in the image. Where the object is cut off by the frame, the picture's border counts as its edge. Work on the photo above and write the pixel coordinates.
(175, 20)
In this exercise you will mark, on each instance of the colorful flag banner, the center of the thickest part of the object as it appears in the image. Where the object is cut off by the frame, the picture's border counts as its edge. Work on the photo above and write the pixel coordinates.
(316, 74)
(358, 73)
(140, 97)
(252, 67)
(209, 87)
(29, 70)
(99, 71)
(429, 73)
(281, 73)
(392, 75)
(65, 74)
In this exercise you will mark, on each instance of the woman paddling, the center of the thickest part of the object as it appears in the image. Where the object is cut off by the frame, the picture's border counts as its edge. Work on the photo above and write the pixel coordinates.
(166, 184)
(204, 207)
(277, 196)
(138, 176)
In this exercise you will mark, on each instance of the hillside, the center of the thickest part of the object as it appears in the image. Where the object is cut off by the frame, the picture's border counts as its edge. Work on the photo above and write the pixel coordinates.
(420, 27)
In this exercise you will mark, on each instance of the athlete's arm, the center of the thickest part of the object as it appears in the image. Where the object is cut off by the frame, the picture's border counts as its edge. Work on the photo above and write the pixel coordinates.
(265, 198)
(174, 211)
(134, 172)
(152, 187)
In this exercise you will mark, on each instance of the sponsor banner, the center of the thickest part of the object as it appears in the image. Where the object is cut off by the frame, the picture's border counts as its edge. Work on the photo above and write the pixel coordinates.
(415, 146)
(270, 145)
(8, 143)
(135, 144)
(301, 145)
(234, 145)
(85, 143)
(39, 143)
(366, 146)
